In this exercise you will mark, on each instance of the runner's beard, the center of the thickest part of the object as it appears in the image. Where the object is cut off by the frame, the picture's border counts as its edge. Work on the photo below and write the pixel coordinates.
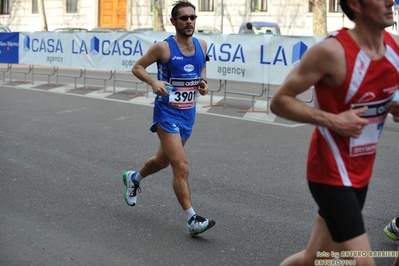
(184, 33)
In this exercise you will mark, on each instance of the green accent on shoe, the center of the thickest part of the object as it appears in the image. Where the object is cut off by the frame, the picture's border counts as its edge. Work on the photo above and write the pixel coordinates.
(199, 232)
(391, 230)
(390, 235)
(210, 224)
(124, 178)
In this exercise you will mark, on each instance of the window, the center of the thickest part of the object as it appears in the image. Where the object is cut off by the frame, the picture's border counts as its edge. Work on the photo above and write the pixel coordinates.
(72, 6)
(259, 5)
(4, 7)
(334, 6)
(206, 5)
(35, 8)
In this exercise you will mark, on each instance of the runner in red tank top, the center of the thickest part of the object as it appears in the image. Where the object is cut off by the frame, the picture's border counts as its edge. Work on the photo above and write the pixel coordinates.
(353, 96)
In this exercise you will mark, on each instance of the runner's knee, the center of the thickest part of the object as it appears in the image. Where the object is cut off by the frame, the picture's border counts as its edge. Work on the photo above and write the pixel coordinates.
(181, 169)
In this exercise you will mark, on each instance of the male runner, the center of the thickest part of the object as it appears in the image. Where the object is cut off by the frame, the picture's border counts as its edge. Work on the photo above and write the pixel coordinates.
(181, 64)
(355, 75)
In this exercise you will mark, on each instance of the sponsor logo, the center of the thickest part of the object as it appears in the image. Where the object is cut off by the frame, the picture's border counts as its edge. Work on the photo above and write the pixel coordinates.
(8, 44)
(374, 108)
(177, 58)
(98, 46)
(297, 52)
(184, 82)
(94, 46)
(367, 97)
(188, 68)
(37, 45)
(391, 90)
(192, 83)
(280, 56)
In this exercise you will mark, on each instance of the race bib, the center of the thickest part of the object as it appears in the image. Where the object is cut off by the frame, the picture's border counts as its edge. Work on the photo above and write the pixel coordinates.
(366, 143)
(185, 94)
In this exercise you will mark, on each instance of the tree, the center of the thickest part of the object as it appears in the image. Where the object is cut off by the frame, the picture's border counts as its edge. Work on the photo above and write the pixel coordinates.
(42, 13)
(319, 17)
(158, 15)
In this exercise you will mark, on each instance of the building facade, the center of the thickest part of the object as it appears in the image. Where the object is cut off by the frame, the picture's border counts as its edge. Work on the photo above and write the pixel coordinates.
(295, 17)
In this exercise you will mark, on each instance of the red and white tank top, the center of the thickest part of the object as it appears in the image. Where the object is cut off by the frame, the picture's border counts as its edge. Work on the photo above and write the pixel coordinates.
(343, 161)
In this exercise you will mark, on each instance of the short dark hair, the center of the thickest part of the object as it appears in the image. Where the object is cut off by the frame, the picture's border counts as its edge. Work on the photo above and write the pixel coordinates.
(180, 4)
(249, 25)
(345, 8)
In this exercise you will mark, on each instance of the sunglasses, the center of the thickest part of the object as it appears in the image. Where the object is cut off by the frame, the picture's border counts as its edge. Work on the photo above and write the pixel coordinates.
(185, 17)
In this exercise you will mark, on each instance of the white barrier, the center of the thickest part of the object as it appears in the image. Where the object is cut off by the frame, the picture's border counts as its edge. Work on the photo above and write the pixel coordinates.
(259, 59)
(264, 59)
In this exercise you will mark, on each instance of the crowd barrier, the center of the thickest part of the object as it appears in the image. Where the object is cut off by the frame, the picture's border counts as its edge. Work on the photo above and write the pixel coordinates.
(75, 77)
(262, 61)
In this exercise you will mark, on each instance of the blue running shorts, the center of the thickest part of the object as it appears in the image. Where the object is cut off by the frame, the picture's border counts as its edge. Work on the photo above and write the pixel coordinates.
(184, 130)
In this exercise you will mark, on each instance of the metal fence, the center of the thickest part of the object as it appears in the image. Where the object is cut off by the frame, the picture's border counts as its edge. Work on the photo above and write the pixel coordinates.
(226, 89)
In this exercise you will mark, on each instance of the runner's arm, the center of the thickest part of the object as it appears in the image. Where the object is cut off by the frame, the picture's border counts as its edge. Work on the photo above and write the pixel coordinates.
(203, 86)
(311, 69)
(158, 52)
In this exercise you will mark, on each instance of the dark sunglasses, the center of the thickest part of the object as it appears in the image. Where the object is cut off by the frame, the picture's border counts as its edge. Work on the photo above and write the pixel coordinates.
(185, 17)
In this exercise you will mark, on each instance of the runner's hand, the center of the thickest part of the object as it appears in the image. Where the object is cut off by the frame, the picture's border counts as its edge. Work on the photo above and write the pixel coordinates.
(394, 110)
(349, 123)
(158, 87)
(203, 88)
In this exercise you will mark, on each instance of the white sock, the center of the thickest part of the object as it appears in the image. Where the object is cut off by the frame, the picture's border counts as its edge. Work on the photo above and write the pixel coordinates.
(189, 213)
(138, 177)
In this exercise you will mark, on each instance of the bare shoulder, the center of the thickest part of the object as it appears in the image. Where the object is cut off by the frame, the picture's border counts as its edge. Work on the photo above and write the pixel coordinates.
(159, 52)
(324, 61)
(327, 49)
(161, 47)
(203, 43)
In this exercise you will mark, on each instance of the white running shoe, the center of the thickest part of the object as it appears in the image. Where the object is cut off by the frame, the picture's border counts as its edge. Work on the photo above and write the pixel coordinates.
(197, 225)
(132, 187)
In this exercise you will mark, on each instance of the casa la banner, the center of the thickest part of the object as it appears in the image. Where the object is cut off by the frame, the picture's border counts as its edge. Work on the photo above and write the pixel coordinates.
(251, 58)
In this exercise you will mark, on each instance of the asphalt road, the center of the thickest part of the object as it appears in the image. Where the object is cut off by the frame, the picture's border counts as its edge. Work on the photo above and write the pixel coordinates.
(61, 190)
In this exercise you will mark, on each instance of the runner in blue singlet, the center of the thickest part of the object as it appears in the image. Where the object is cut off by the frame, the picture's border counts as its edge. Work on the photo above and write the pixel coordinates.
(181, 64)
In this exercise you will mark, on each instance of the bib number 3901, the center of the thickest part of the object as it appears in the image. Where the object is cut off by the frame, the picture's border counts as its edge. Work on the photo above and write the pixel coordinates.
(185, 96)
(183, 99)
